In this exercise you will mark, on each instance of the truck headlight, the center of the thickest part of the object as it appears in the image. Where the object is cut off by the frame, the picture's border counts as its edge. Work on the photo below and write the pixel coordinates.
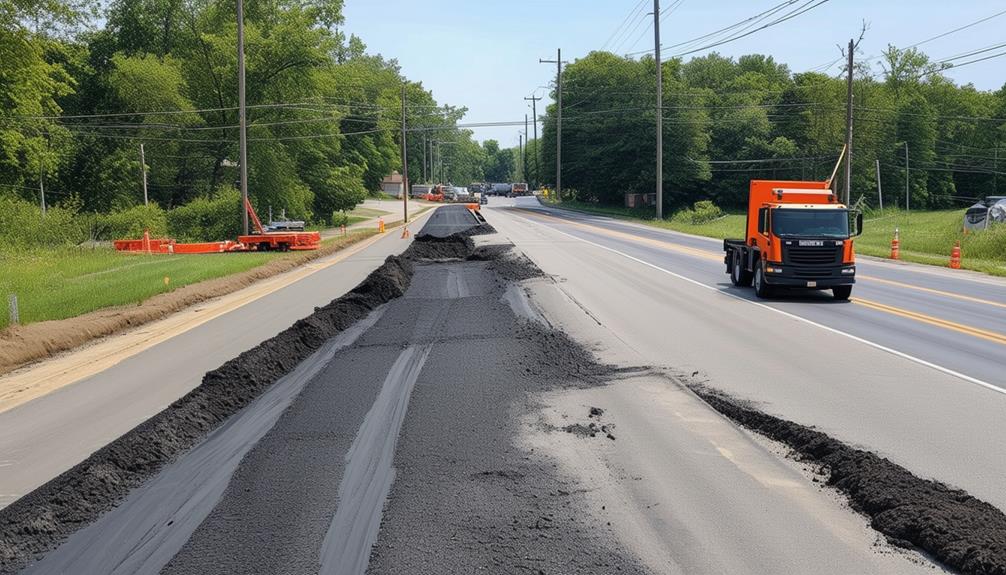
(849, 271)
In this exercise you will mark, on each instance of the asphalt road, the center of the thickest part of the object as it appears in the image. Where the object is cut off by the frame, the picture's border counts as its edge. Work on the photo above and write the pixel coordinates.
(913, 368)
(48, 435)
(455, 430)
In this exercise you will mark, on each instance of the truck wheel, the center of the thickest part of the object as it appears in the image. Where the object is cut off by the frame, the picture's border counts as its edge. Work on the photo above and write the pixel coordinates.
(841, 293)
(739, 276)
(762, 289)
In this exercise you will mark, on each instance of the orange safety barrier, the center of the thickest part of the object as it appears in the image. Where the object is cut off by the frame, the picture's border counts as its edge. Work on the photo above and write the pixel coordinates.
(896, 246)
(955, 256)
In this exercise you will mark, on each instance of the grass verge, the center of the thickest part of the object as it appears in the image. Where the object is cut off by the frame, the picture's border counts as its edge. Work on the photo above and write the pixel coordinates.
(124, 292)
(927, 237)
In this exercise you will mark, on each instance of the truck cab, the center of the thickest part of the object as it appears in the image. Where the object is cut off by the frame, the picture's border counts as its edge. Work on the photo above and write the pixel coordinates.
(798, 236)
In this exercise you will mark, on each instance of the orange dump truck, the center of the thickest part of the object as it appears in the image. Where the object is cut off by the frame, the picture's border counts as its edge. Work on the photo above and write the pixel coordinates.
(798, 236)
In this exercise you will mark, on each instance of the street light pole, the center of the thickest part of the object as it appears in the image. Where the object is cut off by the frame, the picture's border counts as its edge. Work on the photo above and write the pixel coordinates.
(907, 195)
(242, 126)
(405, 163)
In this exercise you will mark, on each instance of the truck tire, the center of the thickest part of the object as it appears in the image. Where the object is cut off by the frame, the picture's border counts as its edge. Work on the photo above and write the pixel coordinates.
(841, 293)
(739, 276)
(762, 289)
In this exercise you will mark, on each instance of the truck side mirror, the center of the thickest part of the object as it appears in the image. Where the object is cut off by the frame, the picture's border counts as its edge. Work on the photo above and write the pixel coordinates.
(859, 223)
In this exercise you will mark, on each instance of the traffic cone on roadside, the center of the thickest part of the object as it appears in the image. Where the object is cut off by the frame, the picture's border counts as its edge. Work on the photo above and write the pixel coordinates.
(380, 225)
(896, 246)
(405, 233)
(955, 256)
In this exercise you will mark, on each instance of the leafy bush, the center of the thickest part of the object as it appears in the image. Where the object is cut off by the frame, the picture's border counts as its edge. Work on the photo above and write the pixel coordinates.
(702, 212)
(22, 224)
(131, 222)
(340, 218)
(204, 219)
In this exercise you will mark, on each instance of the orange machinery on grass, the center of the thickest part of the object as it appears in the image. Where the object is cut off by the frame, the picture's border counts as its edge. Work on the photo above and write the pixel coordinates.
(262, 240)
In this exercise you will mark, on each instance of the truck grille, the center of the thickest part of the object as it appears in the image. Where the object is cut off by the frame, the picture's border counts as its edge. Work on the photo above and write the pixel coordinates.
(813, 255)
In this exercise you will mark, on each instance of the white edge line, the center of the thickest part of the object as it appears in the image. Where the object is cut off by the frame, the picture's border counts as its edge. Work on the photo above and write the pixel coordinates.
(875, 345)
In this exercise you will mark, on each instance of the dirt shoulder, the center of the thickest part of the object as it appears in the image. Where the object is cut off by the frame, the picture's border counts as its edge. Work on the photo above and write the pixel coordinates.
(22, 345)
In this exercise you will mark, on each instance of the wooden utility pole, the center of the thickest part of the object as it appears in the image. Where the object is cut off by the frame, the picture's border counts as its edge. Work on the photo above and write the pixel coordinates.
(424, 158)
(520, 153)
(880, 190)
(848, 128)
(143, 173)
(660, 111)
(405, 163)
(907, 194)
(242, 111)
(41, 187)
(558, 124)
(524, 166)
(534, 113)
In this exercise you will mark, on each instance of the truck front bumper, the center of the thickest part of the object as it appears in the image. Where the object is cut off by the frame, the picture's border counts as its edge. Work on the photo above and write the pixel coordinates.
(809, 277)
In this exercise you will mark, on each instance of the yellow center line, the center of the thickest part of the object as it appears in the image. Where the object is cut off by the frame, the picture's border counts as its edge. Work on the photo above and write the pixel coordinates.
(960, 328)
(933, 291)
(972, 331)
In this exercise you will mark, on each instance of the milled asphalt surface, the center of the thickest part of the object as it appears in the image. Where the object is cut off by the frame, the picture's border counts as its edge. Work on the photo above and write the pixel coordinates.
(49, 435)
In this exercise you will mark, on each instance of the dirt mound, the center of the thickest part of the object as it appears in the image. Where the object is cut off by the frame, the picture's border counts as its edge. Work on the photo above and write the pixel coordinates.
(21, 345)
(947, 523)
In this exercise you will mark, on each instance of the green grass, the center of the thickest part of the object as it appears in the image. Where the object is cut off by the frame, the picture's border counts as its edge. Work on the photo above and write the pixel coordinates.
(66, 282)
(927, 237)
(365, 214)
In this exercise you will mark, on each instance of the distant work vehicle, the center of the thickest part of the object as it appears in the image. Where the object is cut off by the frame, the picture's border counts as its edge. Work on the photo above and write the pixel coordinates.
(500, 189)
(798, 236)
(420, 190)
(436, 194)
(281, 239)
(519, 189)
(476, 188)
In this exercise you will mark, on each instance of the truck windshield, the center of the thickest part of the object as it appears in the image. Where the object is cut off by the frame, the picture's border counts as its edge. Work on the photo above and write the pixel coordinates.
(814, 223)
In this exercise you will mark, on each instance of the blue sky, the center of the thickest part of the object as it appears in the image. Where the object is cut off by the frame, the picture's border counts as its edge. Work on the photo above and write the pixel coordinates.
(484, 54)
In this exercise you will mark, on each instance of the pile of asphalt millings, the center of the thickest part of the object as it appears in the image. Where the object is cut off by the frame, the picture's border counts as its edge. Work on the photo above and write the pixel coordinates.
(946, 523)
(39, 521)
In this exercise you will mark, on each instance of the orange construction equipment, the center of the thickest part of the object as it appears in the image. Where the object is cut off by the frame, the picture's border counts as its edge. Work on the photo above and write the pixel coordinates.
(955, 256)
(896, 246)
(261, 240)
(264, 241)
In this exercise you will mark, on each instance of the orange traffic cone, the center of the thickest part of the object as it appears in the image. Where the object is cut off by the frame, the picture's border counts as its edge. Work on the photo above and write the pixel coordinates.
(380, 225)
(406, 233)
(896, 246)
(955, 256)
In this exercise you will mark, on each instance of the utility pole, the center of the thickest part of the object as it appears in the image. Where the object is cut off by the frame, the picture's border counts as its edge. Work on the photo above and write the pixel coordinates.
(534, 112)
(242, 109)
(906, 178)
(660, 111)
(143, 172)
(848, 128)
(524, 166)
(558, 124)
(41, 187)
(424, 157)
(880, 190)
(520, 155)
(405, 163)
(995, 173)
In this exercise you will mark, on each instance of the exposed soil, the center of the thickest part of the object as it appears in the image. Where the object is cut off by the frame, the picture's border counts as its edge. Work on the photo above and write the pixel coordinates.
(21, 345)
(37, 522)
(950, 525)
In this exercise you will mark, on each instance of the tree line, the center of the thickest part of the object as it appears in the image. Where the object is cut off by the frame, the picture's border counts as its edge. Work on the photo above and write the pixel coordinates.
(324, 116)
(727, 121)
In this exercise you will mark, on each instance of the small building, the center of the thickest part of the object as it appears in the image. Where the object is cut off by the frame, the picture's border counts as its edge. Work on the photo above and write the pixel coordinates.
(392, 184)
